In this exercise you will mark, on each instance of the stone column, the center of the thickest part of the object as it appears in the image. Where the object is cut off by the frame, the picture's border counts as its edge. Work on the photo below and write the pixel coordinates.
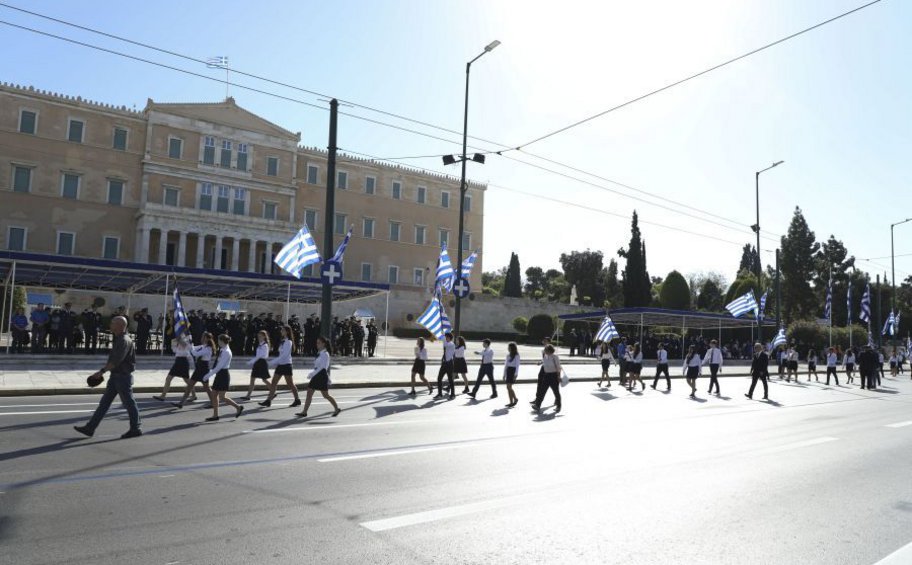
(217, 264)
(162, 246)
(235, 253)
(272, 268)
(252, 257)
(142, 245)
(200, 250)
(182, 249)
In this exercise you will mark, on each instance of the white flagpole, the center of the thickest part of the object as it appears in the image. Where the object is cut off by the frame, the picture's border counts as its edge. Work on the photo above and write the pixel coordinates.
(386, 323)
(227, 71)
(164, 314)
(287, 301)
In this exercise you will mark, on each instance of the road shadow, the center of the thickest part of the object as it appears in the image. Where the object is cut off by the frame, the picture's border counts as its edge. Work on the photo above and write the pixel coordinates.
(500, 412)
(174, 428)
(720, 397)
(606, 396)
(384, 411)
(697, 399)
(772, 403)
(543, 417)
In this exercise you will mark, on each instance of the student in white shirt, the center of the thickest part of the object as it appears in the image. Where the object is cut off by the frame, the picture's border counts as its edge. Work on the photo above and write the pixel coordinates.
(635, 367)
(791, 364)
(459, 363)
(419, 366)
(893, 369)
(812, 365)
(283, 369)
(203, 354)
(260, 363)
(446, 366)
(486, 369)
(848, 361)
(713, 358)
(183, 354)
(222, 382)
(831, 365)
(662, 367)
(319, 379)
(511, 372)
(692, 365)
(552, 370)
(606, 357)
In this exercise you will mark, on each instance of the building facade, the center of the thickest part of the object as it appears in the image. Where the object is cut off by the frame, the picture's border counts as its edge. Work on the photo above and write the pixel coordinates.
(211, 185)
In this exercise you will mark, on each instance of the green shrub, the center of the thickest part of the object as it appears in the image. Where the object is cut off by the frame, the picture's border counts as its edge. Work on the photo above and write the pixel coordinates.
(520, 324)
(540, 326)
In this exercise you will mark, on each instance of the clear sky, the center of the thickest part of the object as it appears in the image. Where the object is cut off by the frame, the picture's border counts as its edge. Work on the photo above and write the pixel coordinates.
(833, 103)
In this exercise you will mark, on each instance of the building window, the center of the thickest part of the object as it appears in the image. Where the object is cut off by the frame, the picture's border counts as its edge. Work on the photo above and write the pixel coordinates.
(368, 230)
(242, 157)
(172, 196)
(75, 131)
(15, 239)
(209, 150)
(272, 166)
(120, 139)
(269, 210)
(239, 207)
(66, 243)
(308, 271)
(445, 199)
(110, 247)
(393, 274)
(466, 241)
(28, 121)
(224, 195)
(420, 235)
(370, 185)
(397, 190)
(443, 236)
(175, 147)
(313, 174)
(70, 187)
(205, 202)
(310, 218)
(225, 158)
(395, 228)
(366, 269)
(342, 180)
(467, 203)
(422, 195)
(115, 192)
(418, 277)
(340, 227)
(22, 179)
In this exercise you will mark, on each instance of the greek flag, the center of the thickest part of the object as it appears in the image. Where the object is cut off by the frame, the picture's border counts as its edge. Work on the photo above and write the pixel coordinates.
(445, 271)
(434, 319)
(762, 312)
(298, 253)
(780, 339)
(607, 331)
(866, 305)
(828, 307)
(849, 305)
(468, 264)
(181, 323)
(740, 306)
(220, 62)
(888, 325)
(341, 250)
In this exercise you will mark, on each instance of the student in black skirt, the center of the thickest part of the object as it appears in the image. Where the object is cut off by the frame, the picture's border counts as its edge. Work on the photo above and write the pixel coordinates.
(183, 354)
(203, 355)
(222, 381)
(636, 368)
(283, 368)
(692, 364)
(511, 372)
(260, 363)
(604, 354)
(319, 379)
(459, 364)
(812, 365)
(419, 366)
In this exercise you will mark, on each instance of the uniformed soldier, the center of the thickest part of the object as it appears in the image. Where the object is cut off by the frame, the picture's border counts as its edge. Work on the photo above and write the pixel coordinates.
(91, 321)
(143, 327)
(371, 339)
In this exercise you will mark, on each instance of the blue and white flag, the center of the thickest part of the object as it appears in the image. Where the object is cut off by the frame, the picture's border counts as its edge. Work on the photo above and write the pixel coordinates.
(740, 306)
(607, 331)
(220, 62)
(849, 305)
(341, 250)
(828, 307)
(866, 305)
(780, 339)
(434, 319)
(762, 311)
(445, 271)
(181, 323)
(468, 264)
(298, 253)
(888, 325)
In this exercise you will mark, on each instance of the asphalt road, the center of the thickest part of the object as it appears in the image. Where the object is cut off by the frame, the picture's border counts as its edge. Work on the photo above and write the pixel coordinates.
(819, 475)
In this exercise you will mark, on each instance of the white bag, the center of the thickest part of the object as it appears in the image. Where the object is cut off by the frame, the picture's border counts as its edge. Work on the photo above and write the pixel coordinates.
(565, 378)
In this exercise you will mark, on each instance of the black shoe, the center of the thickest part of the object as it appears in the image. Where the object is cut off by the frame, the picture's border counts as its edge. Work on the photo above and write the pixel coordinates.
(336, 412)
(301, 414)
(266, 403)
(653, 387)
(749, 396)
(297, 402)
(494, 395)
(136, 432)
(84, 430)
(438, 397)
(212, 419)
(412, 393)
(465, 390)
(452, 396)
(472, 395)
(557, 409)
(240, 410)
(177, 404)
(159, 398)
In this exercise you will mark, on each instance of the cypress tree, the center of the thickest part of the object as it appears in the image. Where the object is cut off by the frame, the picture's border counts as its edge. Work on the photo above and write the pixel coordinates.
(635, 278)
(513, 282)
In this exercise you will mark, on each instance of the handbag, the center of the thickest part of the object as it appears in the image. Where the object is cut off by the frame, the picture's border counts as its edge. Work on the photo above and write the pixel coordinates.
(565, 378)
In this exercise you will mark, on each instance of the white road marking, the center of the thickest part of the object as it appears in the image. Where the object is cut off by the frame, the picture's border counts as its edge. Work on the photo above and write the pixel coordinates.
(900, 424)
(800, 444)
(69, 404)
(391, 452)
(435, 515)
(167, 476)
(901, 556)
(46, 412)
(312, 428)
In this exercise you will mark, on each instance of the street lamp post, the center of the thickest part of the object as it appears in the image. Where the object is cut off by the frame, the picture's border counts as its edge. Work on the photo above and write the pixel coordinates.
(449, 160)
(756, 228)
(893, 328)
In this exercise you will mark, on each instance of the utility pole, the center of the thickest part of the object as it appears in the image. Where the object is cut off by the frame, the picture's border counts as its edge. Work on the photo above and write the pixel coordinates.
(877, 311)
(328, 223)
(778, 293)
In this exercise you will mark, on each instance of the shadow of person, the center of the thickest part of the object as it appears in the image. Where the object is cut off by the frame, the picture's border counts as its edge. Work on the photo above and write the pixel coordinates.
(697, 399)
(772, 403)
(500, 412)
(383, 411)
(606, 396)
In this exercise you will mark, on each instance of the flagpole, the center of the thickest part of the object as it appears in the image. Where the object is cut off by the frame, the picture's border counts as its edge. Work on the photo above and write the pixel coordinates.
(287, 301)
(164, 314)
(227, 71)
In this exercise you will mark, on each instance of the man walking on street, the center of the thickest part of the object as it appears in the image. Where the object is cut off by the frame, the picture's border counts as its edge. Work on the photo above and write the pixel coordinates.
(867, 366)
(121, 363)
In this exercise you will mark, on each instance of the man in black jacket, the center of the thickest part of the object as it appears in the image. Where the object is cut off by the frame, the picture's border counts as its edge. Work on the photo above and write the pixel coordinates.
(759, 371)
(867, 365)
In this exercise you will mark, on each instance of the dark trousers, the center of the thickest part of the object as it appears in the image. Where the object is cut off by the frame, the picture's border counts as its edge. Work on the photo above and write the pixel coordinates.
(832, 371)
(713, 380)
(865, 378)
(122, 386)
(763, 379)
(486, 370)
(91, 342)
(662, 368)
(552, 381)
(142, 342)
(446, 369)
(39, 335)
